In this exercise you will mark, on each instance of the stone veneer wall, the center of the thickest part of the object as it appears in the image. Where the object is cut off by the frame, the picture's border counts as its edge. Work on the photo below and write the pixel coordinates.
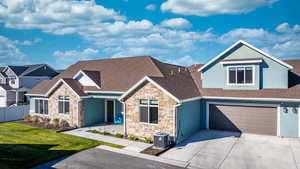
(166, 119)
(76, 107)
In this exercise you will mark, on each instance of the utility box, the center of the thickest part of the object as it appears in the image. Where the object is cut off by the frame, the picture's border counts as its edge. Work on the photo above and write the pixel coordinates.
(161, 140)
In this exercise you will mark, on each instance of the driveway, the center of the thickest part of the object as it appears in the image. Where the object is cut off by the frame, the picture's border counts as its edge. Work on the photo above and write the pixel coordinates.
(227, 150)
(96, 158)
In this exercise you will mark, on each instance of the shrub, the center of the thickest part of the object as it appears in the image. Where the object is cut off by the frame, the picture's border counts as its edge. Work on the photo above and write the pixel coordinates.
(41, 120)
(119, 135)
(93, 131)
(48, 125)
(55, 123)
(148, 140)
(34, 119)
(27, 118)
(105, 133)
(133, 138)
(63, 124)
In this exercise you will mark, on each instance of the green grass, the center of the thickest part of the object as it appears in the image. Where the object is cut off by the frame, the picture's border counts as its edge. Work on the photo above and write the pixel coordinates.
(24, 146)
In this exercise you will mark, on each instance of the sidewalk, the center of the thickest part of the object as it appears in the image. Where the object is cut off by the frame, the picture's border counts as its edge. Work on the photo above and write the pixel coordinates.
(129, 145)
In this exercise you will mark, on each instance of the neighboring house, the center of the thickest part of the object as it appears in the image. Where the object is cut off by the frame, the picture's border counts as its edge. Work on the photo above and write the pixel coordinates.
(15, 81)
(242, 89)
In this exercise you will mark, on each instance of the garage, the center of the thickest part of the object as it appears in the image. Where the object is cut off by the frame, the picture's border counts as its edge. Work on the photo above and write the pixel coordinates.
(247, 119)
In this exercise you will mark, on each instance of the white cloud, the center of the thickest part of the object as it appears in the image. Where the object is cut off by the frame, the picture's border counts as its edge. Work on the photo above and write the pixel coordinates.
(151, 7)
(285, 27)
(65, 58)
(185, 61)
(284, 42)
(9, 53)
(176, 23)
(28, 42)
(211, 7)
(54, 15)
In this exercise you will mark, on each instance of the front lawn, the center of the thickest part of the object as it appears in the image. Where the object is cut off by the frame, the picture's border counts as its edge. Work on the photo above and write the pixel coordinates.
(24, 146)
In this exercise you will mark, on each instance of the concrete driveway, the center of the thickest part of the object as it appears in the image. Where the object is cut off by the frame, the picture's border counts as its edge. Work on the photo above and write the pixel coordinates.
(227, 150)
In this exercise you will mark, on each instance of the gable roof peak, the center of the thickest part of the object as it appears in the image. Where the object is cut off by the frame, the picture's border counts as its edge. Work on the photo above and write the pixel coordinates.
(251, 47)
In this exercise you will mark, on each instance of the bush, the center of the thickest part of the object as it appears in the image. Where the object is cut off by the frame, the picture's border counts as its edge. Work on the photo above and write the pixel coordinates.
(27, 118)
(119, 135)
(94, 131)
(34, 119)
(55, 123)
(63, 124)
(133, 138)
(41, 119)
(48, 125)
(148, 140)
(105, 133)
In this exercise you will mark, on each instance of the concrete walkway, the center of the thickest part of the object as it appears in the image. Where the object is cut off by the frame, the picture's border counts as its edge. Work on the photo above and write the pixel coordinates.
(129, 145)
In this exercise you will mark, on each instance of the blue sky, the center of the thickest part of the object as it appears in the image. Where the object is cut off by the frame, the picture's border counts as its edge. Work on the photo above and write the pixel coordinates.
(185, 32)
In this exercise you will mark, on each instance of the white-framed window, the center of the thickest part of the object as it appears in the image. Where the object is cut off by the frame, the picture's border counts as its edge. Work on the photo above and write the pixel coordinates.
(41, 106)
(240, 75)
(149, 111)
(64, 104)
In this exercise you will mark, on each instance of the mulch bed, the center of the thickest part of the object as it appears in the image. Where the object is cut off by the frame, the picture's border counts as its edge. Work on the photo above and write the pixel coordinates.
(42, 126)
(155, 151)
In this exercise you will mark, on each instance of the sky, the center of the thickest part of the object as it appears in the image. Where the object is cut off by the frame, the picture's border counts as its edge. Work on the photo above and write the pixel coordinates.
(184, 32)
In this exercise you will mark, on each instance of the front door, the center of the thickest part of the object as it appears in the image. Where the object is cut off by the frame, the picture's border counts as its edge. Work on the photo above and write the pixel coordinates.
(110, 110)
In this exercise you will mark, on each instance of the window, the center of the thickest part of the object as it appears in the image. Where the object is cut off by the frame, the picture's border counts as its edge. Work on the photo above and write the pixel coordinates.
(240, 75)
(12, 80)
(41, 106)
(64, 104)
(149, 111)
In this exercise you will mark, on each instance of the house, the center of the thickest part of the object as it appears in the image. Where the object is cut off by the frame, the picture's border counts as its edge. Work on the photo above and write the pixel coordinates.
(15, 81)
(242, 89)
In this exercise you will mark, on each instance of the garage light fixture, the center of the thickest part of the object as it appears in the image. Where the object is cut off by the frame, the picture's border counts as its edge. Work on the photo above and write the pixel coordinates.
(285, 110)
(295, 110)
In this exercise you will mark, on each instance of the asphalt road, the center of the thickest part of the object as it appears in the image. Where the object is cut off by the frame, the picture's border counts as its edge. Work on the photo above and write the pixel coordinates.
(102, 159)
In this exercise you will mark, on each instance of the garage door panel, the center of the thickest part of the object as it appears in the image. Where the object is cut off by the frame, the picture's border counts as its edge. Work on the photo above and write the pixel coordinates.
(260, 120)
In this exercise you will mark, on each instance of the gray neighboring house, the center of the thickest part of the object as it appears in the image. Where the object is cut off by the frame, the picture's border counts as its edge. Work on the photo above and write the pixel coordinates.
(15, 81)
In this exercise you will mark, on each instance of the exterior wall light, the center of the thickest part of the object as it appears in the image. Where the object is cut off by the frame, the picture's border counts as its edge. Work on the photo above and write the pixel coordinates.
(295, 110)
(285, 110)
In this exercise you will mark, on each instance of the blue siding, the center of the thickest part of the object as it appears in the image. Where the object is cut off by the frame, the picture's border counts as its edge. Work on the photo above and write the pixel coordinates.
(94, 111)
(215, 75)
(289, 121)
(188, 119)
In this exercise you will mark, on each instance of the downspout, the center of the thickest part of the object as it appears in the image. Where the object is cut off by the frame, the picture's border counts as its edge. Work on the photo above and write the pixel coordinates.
(175, 120)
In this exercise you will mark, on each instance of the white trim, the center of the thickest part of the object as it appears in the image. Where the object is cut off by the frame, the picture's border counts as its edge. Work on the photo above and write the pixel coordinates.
(278, 121)
(298, 121)
(56, 84)
(241, 62)
(277, 106)
(80, 71)
(241, 84)
(114, 109)
(190, 99)
(110, 92)
(105, 97)
(252, 98)
(151, 81)
(124, 118)
(250, 46)
(28, 94)
(40, 98)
